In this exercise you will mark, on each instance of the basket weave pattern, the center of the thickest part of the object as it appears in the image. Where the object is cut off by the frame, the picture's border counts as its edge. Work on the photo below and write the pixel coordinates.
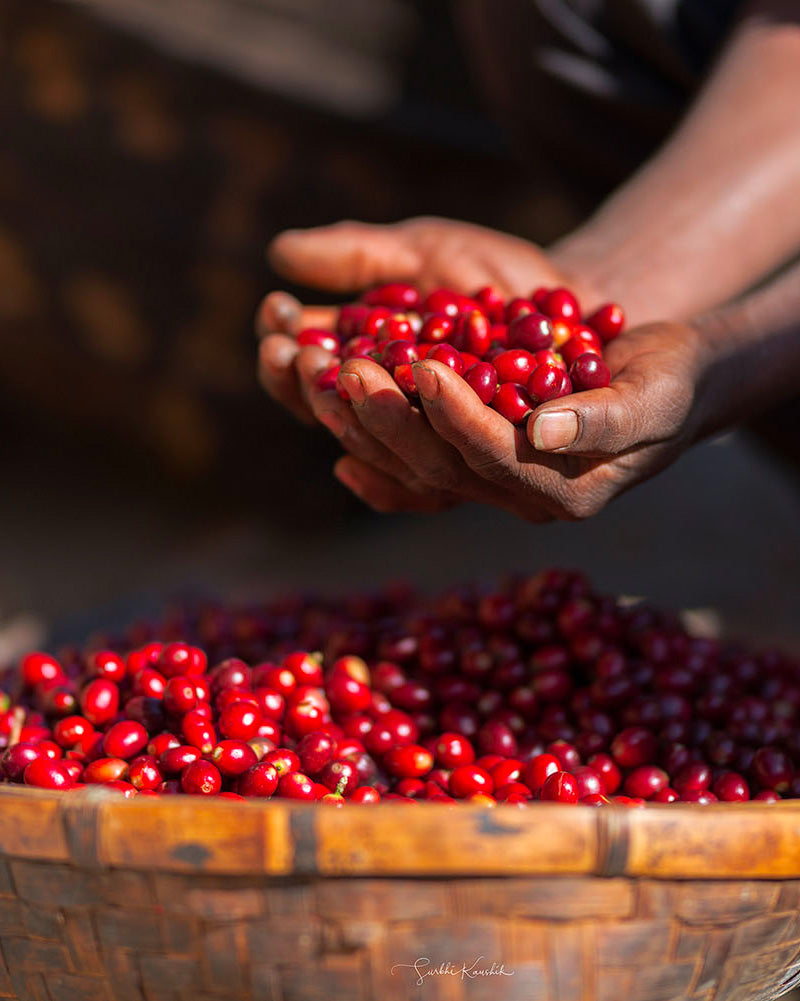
(73, 935)
(300, 913)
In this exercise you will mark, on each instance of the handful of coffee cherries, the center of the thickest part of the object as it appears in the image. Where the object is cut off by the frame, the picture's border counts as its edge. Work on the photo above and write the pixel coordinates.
(514, 355)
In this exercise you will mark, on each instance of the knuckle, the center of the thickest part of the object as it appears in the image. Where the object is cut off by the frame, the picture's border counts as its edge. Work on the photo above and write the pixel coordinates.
(495, 468)
(443, 476)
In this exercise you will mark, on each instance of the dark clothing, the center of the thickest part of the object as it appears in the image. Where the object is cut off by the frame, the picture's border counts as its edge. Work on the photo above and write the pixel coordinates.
(598, 82)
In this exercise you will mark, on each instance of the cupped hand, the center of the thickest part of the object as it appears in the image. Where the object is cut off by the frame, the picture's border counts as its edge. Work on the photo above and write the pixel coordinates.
(350, 256)
(574, 456)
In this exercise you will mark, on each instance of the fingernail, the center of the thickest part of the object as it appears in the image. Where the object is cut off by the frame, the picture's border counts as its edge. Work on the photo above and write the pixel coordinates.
(281, 354)
(285, 309)
(555, 429)
(333, 422)
(353, 386)
(427, 382)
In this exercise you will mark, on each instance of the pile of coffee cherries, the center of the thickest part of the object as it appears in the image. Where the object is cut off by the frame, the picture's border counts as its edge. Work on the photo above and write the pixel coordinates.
(539, 689)
(514, 355)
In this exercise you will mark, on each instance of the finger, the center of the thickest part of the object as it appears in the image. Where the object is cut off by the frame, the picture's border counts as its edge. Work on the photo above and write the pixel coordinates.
(339, 418)
(383, 493)
(281, 313)
(385, 412)
(640, 407)
(345, 257)
(487, 442)
(278, 375)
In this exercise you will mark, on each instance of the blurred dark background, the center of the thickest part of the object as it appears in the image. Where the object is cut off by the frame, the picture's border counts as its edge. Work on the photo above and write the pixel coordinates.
(144, 164)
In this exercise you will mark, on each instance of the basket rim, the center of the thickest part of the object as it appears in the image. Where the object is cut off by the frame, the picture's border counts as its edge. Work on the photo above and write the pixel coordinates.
(97, 828)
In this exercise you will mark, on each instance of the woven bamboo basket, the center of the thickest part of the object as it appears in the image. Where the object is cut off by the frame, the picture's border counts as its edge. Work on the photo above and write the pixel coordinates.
(181, 899)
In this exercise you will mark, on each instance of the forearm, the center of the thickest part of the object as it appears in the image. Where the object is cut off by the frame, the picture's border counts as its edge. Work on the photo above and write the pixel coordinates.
(751, 354)
(719, 206)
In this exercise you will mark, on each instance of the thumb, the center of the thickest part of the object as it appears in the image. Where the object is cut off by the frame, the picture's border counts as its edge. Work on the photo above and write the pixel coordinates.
(345, 257)
(602, 422)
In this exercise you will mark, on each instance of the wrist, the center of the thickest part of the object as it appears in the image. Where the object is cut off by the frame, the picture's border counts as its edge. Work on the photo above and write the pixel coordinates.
(751, 354)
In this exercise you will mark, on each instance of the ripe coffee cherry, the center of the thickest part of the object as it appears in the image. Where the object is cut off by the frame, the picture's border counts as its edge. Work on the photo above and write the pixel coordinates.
(327, 381)
(588, 782)
(339, 776)
(396, 353)
(472, 333)
(396, 327)
(608, 321)
(233, 757)
(447, 355)
(125, 740)
(347, 695)
(173, 760)
(306, 668)
(38, 668)
(512, 402)
(396, 295)
(453, 749)
(514, 366)
(532, 332)
(566, 753)
(107, 664)
(69, 730)
(47, 774)
(315, 751)
(467, 780)
(296, 786)
(482, 379)
(575, 347)
(491, 302)
(201, 779)
(100, 701)
(634, 746)
(261, 780)
(695, 776)
(181, 659)
(518, 307)
(731, 787)
(561, 304)
(162, 742)
(144, 773)
(411, 761)
(310, 337)
(666, 795)
(436, 328)
(560, 787)
(701, 796)
(150, 683)
(239, 721)
(16, 759)
(606, 768)
(403, 375)
(772, 769)
(104, 770)
(538, 770)
(589, 371)
(645, 781)
(180, 695)
(357, 347)
(198, 732)
(442, 300)
(548, 382)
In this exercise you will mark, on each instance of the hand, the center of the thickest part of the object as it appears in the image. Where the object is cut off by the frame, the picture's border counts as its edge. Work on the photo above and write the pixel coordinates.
(575, 455)
(350, 256)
